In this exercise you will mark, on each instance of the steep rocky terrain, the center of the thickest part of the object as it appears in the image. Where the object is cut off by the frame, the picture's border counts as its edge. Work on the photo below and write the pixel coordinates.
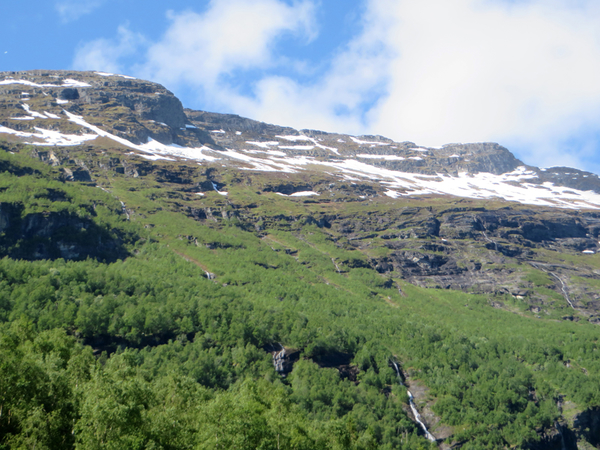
(68, 108)
(469, 218)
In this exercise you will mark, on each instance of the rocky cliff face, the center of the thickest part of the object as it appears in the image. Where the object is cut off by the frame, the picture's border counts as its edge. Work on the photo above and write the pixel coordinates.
(125, 107)
(72, 108)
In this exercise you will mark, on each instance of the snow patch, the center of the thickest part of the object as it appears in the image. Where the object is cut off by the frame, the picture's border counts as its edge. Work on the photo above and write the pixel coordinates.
(266, 153)
(385, 157)
(304, 194)
(297, 147)
(263, 144)
(358, 141)
(50, 137)
(296, 138)
(69, 82)
(154, 157)
(331, 149)
(263, 165)
(107, 74)
(27, 108)
(299, 194)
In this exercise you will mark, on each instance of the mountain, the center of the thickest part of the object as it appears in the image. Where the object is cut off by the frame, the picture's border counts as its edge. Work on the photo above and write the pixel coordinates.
(56, 109)
(282, 286)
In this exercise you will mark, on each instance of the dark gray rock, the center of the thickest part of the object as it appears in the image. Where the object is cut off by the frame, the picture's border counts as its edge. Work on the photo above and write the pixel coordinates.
(69, 94)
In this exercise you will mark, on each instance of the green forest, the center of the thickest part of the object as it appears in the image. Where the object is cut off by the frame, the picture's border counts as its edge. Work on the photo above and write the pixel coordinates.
(126, 343)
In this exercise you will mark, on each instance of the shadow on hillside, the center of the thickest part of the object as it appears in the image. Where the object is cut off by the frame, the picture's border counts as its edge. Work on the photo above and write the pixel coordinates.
(55, 235)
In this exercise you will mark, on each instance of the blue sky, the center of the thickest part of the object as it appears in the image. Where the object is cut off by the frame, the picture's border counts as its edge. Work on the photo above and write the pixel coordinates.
(521, 73)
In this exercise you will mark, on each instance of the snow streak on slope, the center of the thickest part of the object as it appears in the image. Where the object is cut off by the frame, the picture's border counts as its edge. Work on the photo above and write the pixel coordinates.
(107, 74)
(66, 83)
(384, 157)
(289, 155)
(151, 146)
(50, 137)
(518, 186)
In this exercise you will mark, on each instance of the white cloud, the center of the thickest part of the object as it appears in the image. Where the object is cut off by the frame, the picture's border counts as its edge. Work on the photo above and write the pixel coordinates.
(336, 102)
(470, 70)
(70, 10)
(231, 35)
(522, 74)
(105, 54)
(458, 71)
(432, 71)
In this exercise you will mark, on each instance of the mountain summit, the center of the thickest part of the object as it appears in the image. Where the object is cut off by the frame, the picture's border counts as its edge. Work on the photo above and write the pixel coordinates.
(64, 108)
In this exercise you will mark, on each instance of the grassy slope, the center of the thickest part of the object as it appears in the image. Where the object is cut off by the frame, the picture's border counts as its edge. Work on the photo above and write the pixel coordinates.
(539, 344)
(476, 359)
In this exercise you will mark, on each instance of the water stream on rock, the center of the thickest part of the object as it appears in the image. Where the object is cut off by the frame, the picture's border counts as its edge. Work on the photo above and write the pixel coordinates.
(210, 276)
(278, 358)
(336, 266)
(564, 289)
(413, 407)
(562, 283)
(490, 241)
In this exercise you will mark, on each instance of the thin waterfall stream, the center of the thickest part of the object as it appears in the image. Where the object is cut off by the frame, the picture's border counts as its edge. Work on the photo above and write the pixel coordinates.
(278, 358)
(336, 266)
(563, 285)
(564, 289)
(490, 241)
(413, 407)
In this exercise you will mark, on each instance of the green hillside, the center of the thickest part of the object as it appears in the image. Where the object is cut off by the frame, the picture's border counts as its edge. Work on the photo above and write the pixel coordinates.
(178, 279)
(145, 327)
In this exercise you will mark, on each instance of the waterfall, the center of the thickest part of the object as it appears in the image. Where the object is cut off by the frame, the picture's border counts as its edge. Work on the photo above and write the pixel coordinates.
(412, 405)
(125, 210)
(562, 283)
(278, 358)
(413, 408)
(564, 289)
(397, 373)
(210, 276)
(491, 241)
(335, 264)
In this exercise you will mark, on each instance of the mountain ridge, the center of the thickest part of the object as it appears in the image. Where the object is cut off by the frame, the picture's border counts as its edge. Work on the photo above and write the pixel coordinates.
(135, 113)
